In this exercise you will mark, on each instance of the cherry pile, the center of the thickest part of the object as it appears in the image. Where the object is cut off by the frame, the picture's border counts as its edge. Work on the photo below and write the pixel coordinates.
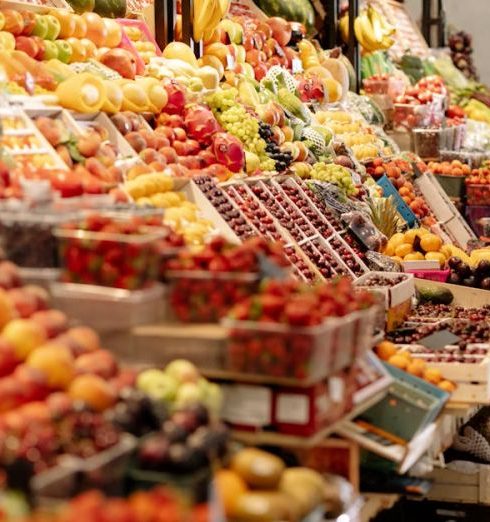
(452, 354)
(323, 259)
(458, 312)
(299, 264)
(230, 213)
(346, 255)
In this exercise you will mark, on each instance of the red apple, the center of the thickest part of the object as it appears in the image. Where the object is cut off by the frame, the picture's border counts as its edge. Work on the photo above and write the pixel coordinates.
(121, 61)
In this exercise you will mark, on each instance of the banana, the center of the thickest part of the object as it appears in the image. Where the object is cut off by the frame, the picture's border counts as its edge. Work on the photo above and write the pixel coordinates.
(247, 93)
(203, 18)
(344, 28)
(362, 37)
(374, 20)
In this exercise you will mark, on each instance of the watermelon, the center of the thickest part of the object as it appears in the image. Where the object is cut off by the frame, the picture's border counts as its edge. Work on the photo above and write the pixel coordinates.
(110, 8)
(292, 10)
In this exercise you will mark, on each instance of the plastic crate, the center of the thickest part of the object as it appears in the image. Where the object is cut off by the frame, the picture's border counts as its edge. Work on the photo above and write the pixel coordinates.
(410, 405)
(432, 275)
(307, 353)
(454, 186)
(200, 296)
(85, 255)
(478, 194)
(109, 309)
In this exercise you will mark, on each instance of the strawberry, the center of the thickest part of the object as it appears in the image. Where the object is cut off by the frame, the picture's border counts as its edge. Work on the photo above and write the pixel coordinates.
(108, 274)
(127, 282)
(94, 262)
(272, 305)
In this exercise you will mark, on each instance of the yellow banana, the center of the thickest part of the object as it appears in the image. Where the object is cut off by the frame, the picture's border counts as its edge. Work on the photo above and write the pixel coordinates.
(344, 28)
(204, 14)
(374, 21)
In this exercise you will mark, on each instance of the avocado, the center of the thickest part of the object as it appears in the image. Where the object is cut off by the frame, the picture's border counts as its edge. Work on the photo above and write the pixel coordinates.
(435, 295)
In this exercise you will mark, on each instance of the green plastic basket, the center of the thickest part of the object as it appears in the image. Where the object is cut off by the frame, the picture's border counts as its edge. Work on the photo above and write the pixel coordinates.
(410, 405)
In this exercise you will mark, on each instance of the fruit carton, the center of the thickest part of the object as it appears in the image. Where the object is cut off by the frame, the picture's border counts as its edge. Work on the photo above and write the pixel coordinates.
(469, 369)
(411, 116)
(303, 353)
(478, 194)
(90, 304)
(28, 238)
(126, 261)
(397, 298)
(205, 297)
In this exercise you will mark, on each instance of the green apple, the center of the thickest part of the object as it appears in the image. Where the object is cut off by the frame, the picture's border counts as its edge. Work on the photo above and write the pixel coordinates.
(54, 27)
(64, 50)
(157, 384)
(50, 50)
(188, 393)
(40, 27)
(183, 371)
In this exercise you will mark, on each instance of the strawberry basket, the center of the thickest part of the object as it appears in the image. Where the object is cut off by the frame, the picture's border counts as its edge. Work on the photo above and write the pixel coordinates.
(201, 296)
(304, 353)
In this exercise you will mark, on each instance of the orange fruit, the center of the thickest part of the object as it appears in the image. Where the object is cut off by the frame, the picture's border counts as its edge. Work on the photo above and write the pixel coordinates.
(80, 29)
(230, 487)
(433, 375)
(399, 361)
(416, 367)
(414, 256)
(385, 350)
(436, 256)
(447, 386)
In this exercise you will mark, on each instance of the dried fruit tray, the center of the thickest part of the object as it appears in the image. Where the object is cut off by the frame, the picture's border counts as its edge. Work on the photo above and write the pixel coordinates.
(469, 369)
(311, 353)
(394, 295)
(205, 297)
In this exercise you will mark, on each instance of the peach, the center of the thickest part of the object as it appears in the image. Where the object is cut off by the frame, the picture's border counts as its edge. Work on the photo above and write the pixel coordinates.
(59, 404)
(138, 170)
(92, 390)
(150, 155)
(170, 154)
(8, 359)
(86, 337)
(96, 168)
(88, 144)
(161, 141)
(166, 132)
(24, 335)
(37, 411)
(99, 362)
(54, 322)
(24, 302)
(64, 154)
(158, 166)
(136, 141)
(7, 309)
(80, 26)
(56, 362)
(107, 155)
(149, 137)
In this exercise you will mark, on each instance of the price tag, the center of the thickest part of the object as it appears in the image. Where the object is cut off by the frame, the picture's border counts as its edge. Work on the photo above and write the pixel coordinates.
(270, 269)
(439, 340)
(297, 66)
(230, 62)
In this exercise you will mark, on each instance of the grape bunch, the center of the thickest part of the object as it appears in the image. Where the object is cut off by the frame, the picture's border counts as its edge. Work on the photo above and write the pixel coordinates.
(282, 159)
(235, 119)
(335, 174)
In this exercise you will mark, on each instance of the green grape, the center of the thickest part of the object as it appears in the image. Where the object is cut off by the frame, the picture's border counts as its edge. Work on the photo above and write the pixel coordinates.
(335, 174)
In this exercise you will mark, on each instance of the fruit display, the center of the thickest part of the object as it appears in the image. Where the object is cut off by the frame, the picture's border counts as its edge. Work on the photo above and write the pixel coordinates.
(448, 311)
(258, 484)
(418, 244)
(204, 285)
(460, 44)
(106, 251)
(477, 276)
(414, 363)
(283, 330)
(477, 186)
(449, 168)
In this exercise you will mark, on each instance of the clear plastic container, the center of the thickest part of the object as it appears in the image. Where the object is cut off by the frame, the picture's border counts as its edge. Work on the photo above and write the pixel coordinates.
(200, 296)
(109, 309)
(27, 236)
(473, 159)
(127, 261)
(392, 86)
(412, 116)
(303, 353)
(428, 142)
(478, 194)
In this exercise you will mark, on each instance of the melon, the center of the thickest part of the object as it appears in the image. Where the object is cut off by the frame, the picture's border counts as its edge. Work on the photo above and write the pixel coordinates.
(293, 10)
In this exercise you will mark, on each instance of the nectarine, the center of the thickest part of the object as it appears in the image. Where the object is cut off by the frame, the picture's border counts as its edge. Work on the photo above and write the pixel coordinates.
(56, 362)
(24, 335)
(93, 391)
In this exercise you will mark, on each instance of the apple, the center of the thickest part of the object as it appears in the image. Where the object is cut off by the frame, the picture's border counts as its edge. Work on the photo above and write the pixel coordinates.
(27, 45)
(29, 22)
(183, 371)
(93, 391)
(99, 362)
(64, 51)
(188, 393)
(40, 46)
(157, 384)
(2, 21)
(40, 26)
(7, 41)
(56, 362)
(50, 50)
(54, 27)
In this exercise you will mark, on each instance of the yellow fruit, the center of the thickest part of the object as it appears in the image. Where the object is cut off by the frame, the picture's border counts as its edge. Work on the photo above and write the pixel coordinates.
(403, 249)
(436, 256)
(389, 250)
(399, 361)
(396, 240)
(433, 375)
(414, 256)
(423, 232)
(431, 243)
(447, 386)
(180, 51)
(385, 350)
(416, 367)
(398, 259)
(410, 235)
(406, 354)
(333, 88)
(446, 250)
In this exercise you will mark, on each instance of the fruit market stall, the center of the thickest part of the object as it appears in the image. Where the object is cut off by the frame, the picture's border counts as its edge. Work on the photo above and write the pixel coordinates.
(232, 287)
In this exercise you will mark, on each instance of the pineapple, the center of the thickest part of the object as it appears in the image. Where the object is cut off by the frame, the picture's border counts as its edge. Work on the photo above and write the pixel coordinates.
(384, 215)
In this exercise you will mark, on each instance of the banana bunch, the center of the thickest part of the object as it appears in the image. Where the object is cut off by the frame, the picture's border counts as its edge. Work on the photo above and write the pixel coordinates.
(207, 15)
(476, 110)
(372, 30)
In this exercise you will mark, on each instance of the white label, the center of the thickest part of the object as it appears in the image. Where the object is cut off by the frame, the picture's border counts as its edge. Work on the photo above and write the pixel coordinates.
(250, 405)
(230, 62)
(292, 409)
(336, 388)
(296, 65)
